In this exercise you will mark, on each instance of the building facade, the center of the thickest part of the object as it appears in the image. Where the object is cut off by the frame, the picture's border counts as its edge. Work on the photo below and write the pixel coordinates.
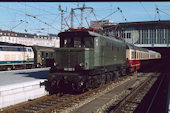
(146, 34)
(50, 40)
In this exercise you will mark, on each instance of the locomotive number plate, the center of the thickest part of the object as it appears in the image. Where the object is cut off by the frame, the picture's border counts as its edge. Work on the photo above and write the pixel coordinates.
(69, 69)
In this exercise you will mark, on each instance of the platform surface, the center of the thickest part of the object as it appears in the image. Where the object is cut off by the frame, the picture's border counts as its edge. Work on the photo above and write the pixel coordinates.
(20, 76)
(21, 85)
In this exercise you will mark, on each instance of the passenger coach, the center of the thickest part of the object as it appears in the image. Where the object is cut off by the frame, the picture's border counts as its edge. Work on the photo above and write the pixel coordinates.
(137, 57)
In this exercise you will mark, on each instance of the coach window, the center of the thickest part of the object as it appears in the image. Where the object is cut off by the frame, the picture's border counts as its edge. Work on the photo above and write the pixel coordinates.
(42, 54)
(133, 55)
(46, 55)
(51, 55)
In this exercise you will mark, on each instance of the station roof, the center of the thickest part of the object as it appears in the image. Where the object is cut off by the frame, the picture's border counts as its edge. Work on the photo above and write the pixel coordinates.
(141, 24)
(145, 23)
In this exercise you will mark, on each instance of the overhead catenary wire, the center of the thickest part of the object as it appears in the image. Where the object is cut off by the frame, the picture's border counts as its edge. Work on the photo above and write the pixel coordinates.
(118, 9)
(21, 21)
(42, 21)
(163, 12)
(39, 9)
(111, 13)
(146, 10)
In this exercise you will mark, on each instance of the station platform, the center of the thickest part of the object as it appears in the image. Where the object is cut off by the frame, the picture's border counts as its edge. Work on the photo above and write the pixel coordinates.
(21, 85)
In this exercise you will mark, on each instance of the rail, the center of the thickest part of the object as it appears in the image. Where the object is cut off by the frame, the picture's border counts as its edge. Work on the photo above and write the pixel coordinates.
(127, 98)
(55, 102)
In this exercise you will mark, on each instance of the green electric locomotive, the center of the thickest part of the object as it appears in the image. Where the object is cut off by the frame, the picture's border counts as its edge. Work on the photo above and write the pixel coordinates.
(86, 60)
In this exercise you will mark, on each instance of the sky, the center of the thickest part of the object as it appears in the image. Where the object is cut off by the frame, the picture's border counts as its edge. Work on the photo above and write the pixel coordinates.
(44, 17)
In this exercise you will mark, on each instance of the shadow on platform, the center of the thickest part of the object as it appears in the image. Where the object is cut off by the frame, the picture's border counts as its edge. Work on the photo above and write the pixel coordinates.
(36, 75)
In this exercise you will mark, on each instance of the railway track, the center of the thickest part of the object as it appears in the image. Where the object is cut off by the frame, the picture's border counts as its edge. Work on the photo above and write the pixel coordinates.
(69, 102)
(58, 103)
(130, 102)
(38, 105)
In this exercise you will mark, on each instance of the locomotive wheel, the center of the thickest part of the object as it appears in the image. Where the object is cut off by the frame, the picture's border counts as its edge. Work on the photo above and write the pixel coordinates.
(51, 88)
(116, 74)
(123, 72)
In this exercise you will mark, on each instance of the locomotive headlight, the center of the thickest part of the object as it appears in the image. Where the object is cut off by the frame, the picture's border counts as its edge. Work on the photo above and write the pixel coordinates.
(81, 83)
(55, 63)
(81, 64)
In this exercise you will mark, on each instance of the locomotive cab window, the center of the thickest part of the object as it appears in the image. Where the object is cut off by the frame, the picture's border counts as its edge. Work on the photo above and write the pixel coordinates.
(29, 50)
(67, 42)
(77, 42)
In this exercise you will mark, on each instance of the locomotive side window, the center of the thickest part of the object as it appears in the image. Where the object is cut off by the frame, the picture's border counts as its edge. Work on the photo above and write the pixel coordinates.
(89, 42)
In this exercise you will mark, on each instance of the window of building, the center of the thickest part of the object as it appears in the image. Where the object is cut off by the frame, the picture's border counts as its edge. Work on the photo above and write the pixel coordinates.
(124, 35)
(128, 35)
(8, 34)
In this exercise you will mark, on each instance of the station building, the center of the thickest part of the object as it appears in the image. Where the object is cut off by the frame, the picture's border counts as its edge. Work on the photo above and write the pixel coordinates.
(50, 40)
(154, 35)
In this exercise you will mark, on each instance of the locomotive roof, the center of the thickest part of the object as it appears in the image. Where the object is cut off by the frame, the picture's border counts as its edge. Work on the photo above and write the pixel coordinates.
(85, 33)
(131, 46)
(10, 44)
(77, 33)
